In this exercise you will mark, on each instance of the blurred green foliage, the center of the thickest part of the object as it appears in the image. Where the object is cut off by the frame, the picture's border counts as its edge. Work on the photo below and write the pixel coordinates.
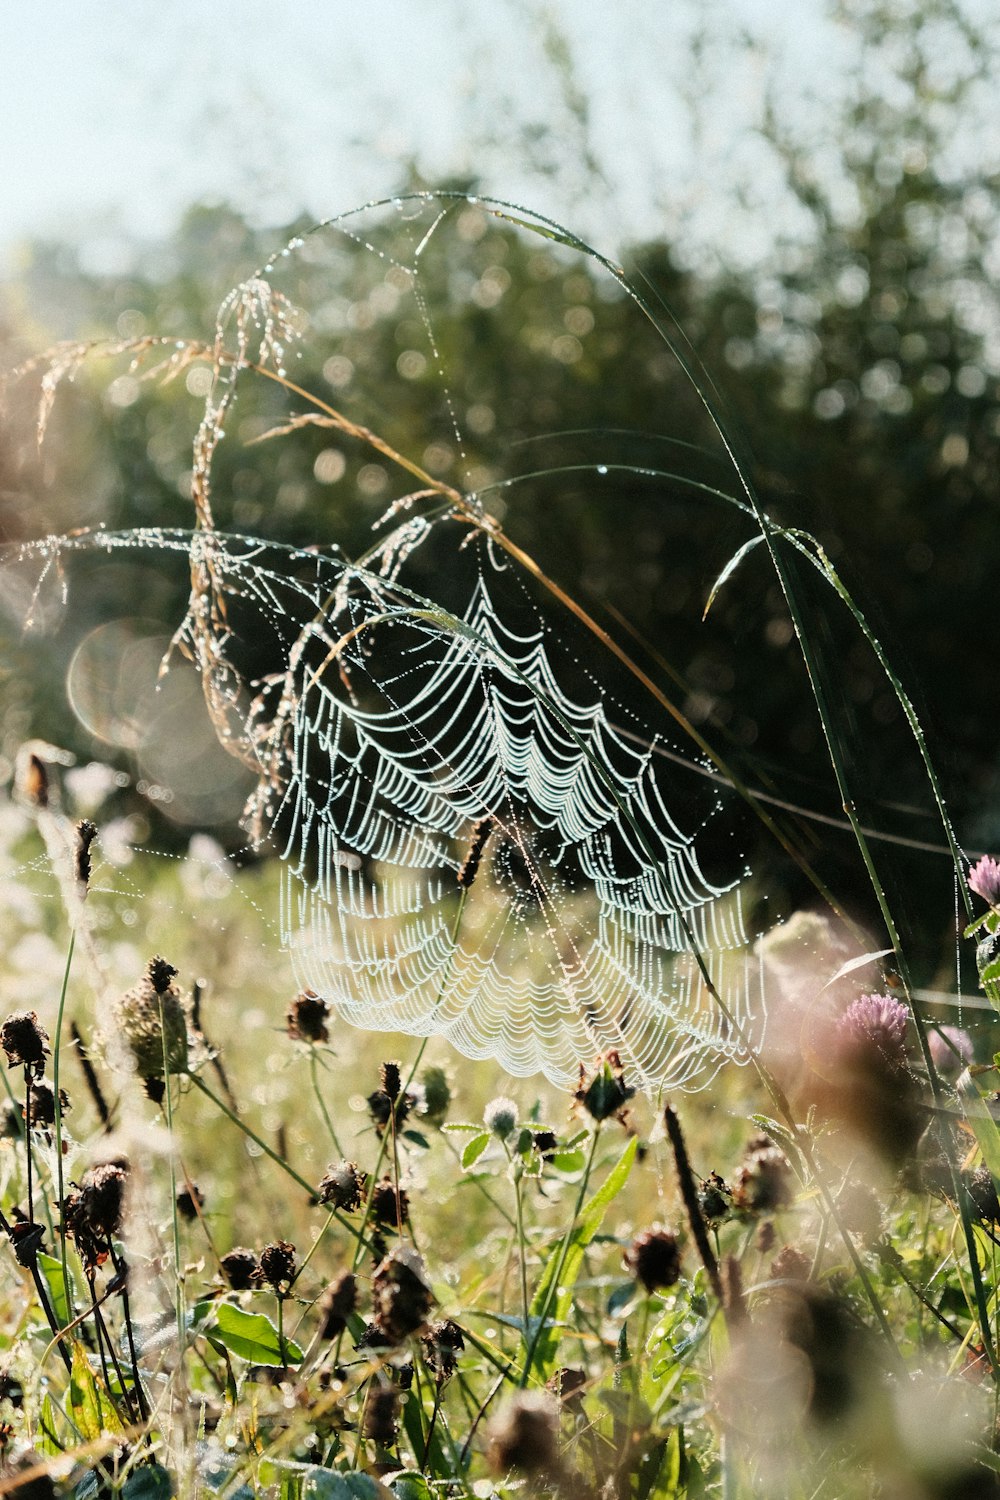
(859, 376)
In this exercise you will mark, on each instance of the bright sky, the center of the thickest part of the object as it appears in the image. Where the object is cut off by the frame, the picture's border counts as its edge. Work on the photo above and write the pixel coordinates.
(120, 113)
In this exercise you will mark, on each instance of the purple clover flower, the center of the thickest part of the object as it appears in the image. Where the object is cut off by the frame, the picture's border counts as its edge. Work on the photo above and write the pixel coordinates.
(984, 880)
(951, 1049)
(876, 1023)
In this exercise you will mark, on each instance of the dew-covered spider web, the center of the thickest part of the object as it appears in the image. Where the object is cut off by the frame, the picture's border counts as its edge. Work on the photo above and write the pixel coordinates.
(479, 838)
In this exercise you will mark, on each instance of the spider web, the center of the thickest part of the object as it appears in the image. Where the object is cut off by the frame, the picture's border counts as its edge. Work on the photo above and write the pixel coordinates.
(476, 840)
(446, 756)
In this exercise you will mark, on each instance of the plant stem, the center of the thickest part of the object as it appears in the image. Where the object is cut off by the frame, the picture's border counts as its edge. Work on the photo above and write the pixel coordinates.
(543, 1311)
(57, 1105)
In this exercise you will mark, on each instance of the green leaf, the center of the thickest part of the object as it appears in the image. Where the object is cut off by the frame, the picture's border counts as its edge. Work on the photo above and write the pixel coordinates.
(474, 1149)
(52, 1272)
(978, 1114)
(150, 1482)
(91, 1408)
(411, 1485)
(569, 1161)
(251, 1336)
(554, 1293)
(46, 1434)
(330, 1484)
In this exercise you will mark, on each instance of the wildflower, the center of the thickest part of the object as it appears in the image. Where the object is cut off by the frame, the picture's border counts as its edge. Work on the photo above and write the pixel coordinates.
(951, 1049)
(401, 1294)
(876, 1021)
(763, 1182)
(525, 1435)
(11, 1121)
(436, 1095)
(153, 1022)
(442, 1344)
(654, 1258)
(190, 1201)
(241, 1268)
(500, 1117)
(343, 1185)
(336, 1305)
(86, 833)
(381, 1418)
(24, 1040)
(984, 879)
(546, 1143)
(307, 1017)
(390, 1205)
(604, 1093)
(868, 1086)
(277, 1264)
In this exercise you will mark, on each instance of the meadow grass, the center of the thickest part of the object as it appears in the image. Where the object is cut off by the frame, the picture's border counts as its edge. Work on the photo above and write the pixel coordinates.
(255, 1250)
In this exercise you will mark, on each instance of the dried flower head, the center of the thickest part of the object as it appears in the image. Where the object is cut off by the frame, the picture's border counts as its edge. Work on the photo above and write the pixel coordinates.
(190, 1200)
(278, 1265)
(94, 1211)
(524, 1435)
(241, 1268)
(401, 1295)
(654, 1258)
(336, 1305)
(385, 1108)
(715, 1199)
(984, 880)
(24, 1040)
(43, 1103)
(307, 1018)
(604, 1092)
(390, 1205)
(442, 1344)
(568, 1385)
(791, 1264)
(343, 1186)
(436, 1100)
(153, 1022)
(764, 1181)
(546, 1143)
(500, 1117)
(381, 1415)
